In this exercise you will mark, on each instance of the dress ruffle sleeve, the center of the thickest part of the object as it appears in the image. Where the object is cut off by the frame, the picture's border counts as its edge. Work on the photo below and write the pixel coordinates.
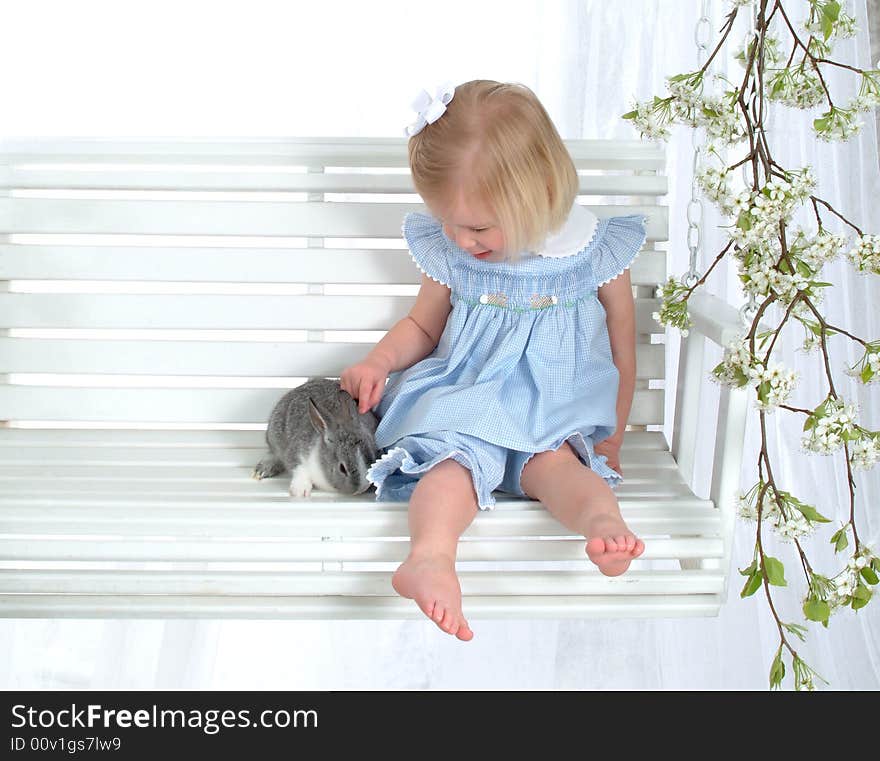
(615, 251)
(428, 246)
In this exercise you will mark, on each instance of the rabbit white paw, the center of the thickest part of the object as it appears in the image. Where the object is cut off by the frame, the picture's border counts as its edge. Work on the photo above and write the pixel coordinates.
(300, 486)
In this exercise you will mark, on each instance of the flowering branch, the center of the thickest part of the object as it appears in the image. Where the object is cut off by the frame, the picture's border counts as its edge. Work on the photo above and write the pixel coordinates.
(779, 264)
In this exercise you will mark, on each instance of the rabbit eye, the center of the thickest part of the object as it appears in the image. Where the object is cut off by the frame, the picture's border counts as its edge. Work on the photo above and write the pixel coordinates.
(342, 468)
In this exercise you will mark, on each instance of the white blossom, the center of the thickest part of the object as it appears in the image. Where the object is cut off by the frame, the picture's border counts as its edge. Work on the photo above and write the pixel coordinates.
(823, 249)
(780, 380)
(826, 436)
(864, 102)
(837, 124)
(736, 364)
(799, 87)
(867, 369)
(715, 184)
(811, 342)
(788, 523)
(864, 453)
(865, 254)
(843, 27)
(648, 123)
(844, 584)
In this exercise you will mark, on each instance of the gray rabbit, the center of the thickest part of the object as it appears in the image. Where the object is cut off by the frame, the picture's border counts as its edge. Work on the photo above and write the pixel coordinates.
(316, 432)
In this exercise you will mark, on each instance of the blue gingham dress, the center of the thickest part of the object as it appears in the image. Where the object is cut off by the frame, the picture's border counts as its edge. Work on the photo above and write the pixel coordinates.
(523, 365)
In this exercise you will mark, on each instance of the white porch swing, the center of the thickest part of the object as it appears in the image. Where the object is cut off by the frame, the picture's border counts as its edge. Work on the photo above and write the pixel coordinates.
(155, 515)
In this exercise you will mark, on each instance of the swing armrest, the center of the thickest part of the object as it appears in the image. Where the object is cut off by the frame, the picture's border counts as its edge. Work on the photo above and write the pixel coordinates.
(714, 318)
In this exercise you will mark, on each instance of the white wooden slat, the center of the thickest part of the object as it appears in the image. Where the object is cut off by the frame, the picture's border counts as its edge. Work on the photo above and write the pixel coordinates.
(176, 180)
(239, 264)
(250, 218)
(216, 358)
(183, 439)
(214, 457)
(306, 151)
(200, 489)
(109, 483)
(162, 477)
(202, 312)
(386, 519)
(224, 312)
(352, 608)
(378, 583)
(250, 264)
(14, 438)
(517, 550)
(192, 405)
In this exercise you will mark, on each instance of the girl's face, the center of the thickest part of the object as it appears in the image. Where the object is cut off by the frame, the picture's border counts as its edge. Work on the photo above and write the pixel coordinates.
(472, 227)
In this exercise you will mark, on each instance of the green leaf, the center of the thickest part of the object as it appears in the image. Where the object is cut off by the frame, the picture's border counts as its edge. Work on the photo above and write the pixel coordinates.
(868, 575)
(820, 125)
(827, 27)
(741, 378)
(831, 10)
(803, 268)
(775, 571)
(809, 512)
(751, 569)
(630, 115)
(751, 586)
(839, 540)
(862, 593)
(777, 670)
(867, 373)
(816, 610)
(798, 630)
(856, 603)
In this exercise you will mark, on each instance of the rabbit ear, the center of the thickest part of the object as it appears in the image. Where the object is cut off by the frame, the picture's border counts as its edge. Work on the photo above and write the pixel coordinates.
(318, 420)
(347, 407)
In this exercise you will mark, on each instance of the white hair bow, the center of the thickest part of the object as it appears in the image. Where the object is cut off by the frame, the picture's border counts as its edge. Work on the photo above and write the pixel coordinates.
(429, 107)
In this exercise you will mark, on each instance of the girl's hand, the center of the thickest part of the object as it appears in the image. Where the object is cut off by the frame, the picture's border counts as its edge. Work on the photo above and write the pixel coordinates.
(365, 381)
(611, 449)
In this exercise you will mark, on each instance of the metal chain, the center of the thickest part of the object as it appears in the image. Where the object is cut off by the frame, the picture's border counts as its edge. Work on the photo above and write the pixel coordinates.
(702, 33)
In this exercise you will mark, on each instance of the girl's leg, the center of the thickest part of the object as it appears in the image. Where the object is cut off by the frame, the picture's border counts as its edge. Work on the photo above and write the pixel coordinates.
(441, 507)
(582, 501)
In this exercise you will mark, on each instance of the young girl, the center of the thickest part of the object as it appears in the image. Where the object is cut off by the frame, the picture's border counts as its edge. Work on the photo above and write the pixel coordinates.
(504, 375)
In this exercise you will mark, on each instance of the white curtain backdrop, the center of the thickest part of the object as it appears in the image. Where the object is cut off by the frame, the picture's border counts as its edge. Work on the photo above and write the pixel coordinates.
(254, 67)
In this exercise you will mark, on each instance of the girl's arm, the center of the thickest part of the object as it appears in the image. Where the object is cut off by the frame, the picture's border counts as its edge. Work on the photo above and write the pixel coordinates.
(620, 314)
(415, 336)
(410, 340)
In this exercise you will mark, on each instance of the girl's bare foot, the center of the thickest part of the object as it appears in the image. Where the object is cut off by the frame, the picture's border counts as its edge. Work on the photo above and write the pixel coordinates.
(431, 581)
(610, 544)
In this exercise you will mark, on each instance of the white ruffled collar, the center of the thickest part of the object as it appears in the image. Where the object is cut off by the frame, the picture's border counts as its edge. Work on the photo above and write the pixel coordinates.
(577, 232)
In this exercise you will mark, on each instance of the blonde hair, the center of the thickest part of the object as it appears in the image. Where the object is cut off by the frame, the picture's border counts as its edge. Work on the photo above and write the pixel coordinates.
(499, 139)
